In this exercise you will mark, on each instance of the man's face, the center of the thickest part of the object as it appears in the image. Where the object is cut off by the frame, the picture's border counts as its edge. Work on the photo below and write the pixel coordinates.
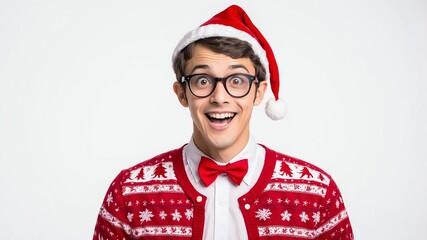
(218, 137)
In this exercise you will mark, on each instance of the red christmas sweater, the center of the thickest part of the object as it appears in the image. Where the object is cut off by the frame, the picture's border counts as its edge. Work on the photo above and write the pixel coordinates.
(292, 199)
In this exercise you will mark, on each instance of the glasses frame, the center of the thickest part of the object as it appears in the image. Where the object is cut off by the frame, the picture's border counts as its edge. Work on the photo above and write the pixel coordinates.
(252, 78)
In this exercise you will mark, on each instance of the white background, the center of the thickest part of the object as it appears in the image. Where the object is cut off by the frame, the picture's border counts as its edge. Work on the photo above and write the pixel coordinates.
(86, 90)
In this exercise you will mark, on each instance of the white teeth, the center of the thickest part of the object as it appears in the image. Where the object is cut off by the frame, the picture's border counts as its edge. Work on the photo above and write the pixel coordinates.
(221, 115)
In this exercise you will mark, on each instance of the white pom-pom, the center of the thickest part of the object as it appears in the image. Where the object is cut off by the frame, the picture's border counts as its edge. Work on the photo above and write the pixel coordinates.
(275, 109)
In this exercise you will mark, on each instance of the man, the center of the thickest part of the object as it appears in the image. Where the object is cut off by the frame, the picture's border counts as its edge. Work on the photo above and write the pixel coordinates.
(222, 185)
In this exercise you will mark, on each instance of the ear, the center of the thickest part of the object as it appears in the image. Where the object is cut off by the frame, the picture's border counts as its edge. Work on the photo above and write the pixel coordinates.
(260, 91)
(180, 93)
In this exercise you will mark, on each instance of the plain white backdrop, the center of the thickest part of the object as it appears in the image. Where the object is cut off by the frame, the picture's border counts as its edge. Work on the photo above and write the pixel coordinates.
(86, 90)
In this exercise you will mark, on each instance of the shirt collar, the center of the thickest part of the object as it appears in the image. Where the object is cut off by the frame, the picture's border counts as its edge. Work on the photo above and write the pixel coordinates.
(193, 155)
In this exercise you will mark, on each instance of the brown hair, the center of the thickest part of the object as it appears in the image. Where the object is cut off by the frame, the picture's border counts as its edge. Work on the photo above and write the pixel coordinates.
(232, 47)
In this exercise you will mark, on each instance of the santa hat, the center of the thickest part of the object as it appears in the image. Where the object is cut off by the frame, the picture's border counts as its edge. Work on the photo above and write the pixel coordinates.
(235, 23)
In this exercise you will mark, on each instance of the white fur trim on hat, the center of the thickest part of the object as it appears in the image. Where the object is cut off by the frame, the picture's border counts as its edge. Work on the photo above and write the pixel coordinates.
(275, 109)
(218, 30)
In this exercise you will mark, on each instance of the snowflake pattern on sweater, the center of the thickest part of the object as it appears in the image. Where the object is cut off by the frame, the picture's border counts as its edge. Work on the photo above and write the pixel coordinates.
(154, 200)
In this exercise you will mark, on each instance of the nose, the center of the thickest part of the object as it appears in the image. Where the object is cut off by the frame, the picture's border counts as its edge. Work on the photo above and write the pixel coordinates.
(219, 95)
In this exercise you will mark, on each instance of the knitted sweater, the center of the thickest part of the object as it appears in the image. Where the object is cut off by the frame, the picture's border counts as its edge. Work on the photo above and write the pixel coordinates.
(154, 199)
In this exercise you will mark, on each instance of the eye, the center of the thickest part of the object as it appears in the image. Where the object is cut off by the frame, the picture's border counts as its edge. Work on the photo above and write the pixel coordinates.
(237, 80)
(202, 81)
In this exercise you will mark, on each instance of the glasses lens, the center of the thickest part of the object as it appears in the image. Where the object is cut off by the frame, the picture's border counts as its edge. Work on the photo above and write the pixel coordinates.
(238, 85)
(201, 85)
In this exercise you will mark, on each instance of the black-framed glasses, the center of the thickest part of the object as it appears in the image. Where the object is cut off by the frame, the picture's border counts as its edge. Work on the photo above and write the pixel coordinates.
(202, 85)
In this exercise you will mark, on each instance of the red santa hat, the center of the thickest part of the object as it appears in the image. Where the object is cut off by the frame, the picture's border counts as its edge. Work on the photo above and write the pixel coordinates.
(235, 23)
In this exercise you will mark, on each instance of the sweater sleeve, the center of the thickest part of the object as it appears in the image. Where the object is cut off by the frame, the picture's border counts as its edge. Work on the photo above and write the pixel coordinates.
(112, 222)
(335, 223)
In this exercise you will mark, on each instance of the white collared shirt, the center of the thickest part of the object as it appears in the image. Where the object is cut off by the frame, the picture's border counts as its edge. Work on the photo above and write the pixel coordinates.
(223, 218)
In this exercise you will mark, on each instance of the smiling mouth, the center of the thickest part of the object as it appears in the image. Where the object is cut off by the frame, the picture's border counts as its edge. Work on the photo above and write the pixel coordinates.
(221, 118)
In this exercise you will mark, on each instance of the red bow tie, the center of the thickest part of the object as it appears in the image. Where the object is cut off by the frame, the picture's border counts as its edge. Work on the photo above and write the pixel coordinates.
(209, 170)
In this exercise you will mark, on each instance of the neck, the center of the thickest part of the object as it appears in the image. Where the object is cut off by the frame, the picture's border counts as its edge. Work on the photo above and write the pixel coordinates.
(221, 154)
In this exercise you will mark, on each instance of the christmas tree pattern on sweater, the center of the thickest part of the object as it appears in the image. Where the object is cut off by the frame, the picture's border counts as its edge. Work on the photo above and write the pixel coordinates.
(146, 202)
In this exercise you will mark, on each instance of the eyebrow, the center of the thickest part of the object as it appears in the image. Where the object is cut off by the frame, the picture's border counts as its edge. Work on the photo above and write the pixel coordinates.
(201, 66)
(238, 66)
(205, 66)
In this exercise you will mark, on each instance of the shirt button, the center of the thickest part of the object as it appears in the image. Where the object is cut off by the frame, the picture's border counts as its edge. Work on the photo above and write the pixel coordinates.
(199, 199)
(247, 206)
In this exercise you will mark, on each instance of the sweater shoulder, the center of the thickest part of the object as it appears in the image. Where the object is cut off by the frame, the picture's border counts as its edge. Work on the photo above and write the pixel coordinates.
(159, 167)
(168, 156)
(301, 162)
(290, 167)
